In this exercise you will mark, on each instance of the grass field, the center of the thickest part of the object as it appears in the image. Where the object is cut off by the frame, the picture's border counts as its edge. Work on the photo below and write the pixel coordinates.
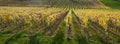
(115, 4)
(63, 22)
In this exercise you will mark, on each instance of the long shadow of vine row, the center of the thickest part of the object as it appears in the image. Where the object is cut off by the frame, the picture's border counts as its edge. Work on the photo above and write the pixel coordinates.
(100, 30)
(86, 32)
(111, 25)
(53, 28)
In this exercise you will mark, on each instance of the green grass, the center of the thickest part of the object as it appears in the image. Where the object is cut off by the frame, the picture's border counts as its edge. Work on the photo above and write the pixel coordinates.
(115, 4)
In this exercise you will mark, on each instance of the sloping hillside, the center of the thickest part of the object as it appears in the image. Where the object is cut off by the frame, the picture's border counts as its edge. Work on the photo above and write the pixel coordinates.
(57, 3)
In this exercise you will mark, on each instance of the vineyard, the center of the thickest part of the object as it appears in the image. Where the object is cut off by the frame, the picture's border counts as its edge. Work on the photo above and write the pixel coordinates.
(42, 25)
(59, 22)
